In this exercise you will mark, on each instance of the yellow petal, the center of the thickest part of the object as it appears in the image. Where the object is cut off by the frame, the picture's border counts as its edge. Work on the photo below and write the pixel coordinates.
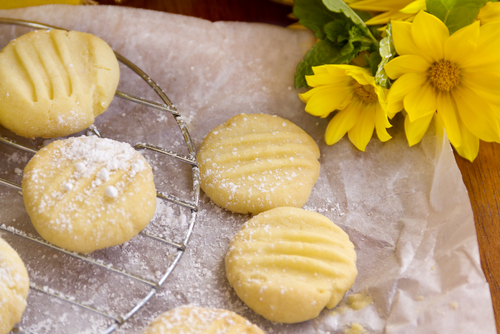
(340, 69)
(460, 47)
(320, 69)
(489, 13)
(488, 50)
(403, 40)
(342, 122)
(486, 85)
(429, 34)
(421, 102)
(326, 79)
(8, 4)
(377, 5)
(416, 130)
(402, 87)
(406, 64)
(384, 18)
(470, 144)
(382, 95)
(362, 131)
(414, 7)
(448, 115)
(321, 101)
(381, 124)
(476, 114)
(361, 75)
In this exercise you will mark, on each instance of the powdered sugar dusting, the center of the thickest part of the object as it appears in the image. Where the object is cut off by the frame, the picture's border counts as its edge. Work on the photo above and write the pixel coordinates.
(81, 192)
(93, 152)
(111, 192)
(14, 284)
(192, 319)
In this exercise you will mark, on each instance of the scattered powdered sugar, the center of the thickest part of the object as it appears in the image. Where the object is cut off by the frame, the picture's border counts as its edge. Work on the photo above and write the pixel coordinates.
(6, 274)
(79, 167)
(201, 320)
(76, 169)
(16, 157)
(200, 278)
(111, 192)
(13, 282)
(103, 175)
(68, 186)
(92, 152)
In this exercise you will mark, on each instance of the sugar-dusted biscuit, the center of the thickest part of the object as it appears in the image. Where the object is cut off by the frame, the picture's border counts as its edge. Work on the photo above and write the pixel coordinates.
(287, 264)
(199, 320)
(14, 287)
(88, 193)
(256, 162)
(54, 83)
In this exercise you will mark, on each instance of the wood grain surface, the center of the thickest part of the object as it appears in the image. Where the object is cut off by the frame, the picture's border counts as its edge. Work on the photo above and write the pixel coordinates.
(481, 178)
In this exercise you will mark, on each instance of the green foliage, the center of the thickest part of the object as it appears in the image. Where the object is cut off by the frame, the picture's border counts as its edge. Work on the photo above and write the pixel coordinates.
(339, 6)
(455, 14)
(314, 15)
(387, 52)
(373, 60)
(323, 52)
(343, 35)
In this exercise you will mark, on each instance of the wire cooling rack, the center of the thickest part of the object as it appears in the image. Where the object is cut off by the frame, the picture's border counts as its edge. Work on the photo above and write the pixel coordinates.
(65, 300)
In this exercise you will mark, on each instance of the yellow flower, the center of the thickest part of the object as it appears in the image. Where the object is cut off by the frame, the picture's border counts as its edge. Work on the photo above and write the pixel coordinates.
(405, 10)
(489, 13)
(7, 4)
(455, 77)
(361, 103)
(389, 9)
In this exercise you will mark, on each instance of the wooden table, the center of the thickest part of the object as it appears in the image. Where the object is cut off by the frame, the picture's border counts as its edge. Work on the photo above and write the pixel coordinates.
(482, 177)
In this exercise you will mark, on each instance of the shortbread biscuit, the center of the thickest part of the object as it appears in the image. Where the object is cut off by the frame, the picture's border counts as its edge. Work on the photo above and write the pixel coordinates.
(256, 162)
(199, 320)
(14, 287)
(54, 83)
(287, 264)
(88, 193)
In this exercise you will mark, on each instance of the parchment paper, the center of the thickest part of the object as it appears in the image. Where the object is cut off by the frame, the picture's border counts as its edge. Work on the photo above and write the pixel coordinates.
(405, 209)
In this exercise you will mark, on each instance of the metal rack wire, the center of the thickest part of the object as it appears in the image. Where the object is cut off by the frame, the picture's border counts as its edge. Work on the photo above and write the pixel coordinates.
(117, 320)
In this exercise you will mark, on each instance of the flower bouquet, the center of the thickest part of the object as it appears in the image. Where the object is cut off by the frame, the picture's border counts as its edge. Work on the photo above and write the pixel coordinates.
(432, 59)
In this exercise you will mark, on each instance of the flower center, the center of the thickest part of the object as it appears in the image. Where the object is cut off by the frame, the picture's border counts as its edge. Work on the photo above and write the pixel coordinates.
(444, 75)
(365, 92)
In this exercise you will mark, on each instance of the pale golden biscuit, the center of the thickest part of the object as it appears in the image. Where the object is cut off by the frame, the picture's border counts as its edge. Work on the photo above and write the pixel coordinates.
(14, 287)
(54, 83)
(199, 320)
(88, 193)
(256, 162)
(287, 264)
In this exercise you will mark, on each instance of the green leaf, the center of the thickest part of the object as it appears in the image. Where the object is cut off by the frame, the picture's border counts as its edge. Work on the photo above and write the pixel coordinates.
(387, 52)
(337, 31)
(341, 39)
(348, 37)
(314, 15)
(323, 52)
(373, 60)
(339, 6)
(455, 14)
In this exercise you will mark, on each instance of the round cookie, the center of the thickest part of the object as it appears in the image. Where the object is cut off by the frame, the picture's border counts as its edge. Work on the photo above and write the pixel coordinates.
(54, 83)
(88, 193)
(199, 320)
(256, 162)
(14, 287)
(287, 264)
